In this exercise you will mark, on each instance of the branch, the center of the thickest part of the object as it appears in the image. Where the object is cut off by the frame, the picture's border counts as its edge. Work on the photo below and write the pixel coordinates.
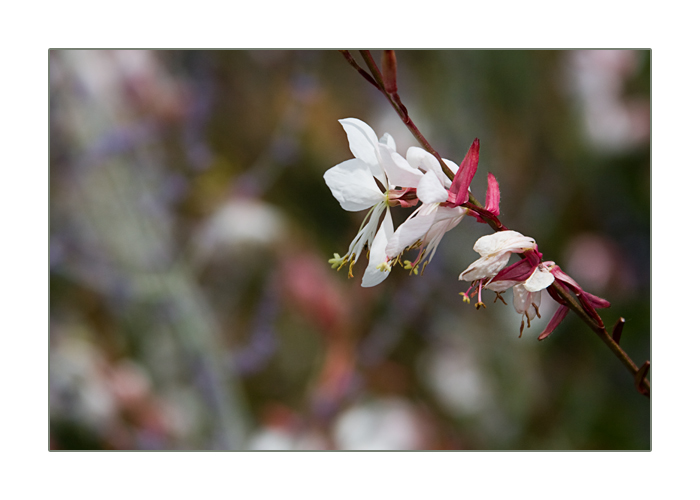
(376, 78)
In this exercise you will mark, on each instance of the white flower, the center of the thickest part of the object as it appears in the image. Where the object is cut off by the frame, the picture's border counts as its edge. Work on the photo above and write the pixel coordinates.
(427, 225)
(495, 250)
(528, 294)
(354, 184)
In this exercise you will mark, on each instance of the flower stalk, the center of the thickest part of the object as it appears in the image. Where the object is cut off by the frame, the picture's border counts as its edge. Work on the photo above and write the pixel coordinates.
(385, 81)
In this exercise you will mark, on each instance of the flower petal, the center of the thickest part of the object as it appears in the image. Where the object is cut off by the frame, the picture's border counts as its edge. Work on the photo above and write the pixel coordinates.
(523, 301)
(353, 185)
(430, 189)
(419, 158)
(398, 170)
(539, 280)
(412, 230)
(389, 141)
(485, 267)
(503, 241)
(362, 139)
(375, 274)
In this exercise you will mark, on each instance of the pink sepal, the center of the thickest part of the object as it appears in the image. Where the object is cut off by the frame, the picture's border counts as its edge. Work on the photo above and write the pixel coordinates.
(519, 271)
(566, 279)
(459, 191)
(533, 256)
(554, 322)
(405, 197)
(588, 301)
(493, 196)
(596, 302)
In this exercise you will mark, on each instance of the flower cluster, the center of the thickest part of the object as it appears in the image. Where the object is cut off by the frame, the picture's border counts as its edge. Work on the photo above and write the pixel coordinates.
(379, 178)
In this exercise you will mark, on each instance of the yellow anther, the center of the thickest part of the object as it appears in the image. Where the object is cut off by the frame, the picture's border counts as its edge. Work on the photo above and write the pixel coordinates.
(384, 267)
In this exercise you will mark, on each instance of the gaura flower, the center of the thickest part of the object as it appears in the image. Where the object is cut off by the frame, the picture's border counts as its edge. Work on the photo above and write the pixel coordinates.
(368, 181)
(441, 209)
(495, 250)
(426, 226)
(528, 294)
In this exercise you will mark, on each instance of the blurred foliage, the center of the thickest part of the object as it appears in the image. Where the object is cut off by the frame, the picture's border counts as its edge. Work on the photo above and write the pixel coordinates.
(192, 306)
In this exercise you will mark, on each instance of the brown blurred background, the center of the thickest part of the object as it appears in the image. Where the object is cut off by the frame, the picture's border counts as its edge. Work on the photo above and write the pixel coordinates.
(192, 305)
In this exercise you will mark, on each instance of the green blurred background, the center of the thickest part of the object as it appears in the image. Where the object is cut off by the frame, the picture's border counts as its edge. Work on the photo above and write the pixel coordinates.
(192, 305)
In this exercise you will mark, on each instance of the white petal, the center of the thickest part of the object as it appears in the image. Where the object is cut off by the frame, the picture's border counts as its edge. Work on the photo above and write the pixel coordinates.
(451, 215)
(398, 170)
(500, 286)
(451, 165)
(521, 299)
(363, 141)
(377, 254)
(539, 280)
(430, 189)
(503, 241)
(389, 141)
(420, 158)
(485, 267)
(412, 230)
(353, 185)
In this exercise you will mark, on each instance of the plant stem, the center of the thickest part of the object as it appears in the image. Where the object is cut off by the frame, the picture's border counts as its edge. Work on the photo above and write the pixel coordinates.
(378, 81)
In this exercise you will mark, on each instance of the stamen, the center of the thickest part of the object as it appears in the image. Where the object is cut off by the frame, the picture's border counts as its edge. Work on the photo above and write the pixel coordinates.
(522, 325)
(352, 263)
(537, 310)
(498, 296)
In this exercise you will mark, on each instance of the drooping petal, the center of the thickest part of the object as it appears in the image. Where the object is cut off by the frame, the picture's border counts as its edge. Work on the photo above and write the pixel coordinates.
(375, 272)
(353, 185)
(445, 220)
(430, 189)
(554, 322)
(408, 233)
(485, 267)
(526, 302)
(398, 170)
(459, 191)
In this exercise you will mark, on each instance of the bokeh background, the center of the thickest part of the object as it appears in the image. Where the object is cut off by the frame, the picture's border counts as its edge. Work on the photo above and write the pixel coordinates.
(191, 302)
